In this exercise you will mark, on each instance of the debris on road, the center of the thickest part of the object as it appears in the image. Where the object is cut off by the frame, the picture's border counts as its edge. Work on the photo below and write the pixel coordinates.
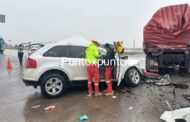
(176, 115)
(187, 97)
(157, 79)
(164, 80)
(49, 108)
(181, 86)
(130, 108)
(83, 118)
(169, 106)
(114, 97)
(35, 107)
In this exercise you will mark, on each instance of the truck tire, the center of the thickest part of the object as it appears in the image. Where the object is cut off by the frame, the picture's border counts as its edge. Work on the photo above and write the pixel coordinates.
(53, 85)
(132, 77)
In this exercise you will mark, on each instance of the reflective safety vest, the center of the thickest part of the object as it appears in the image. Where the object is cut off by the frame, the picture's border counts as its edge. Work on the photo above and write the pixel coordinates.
(92, 54)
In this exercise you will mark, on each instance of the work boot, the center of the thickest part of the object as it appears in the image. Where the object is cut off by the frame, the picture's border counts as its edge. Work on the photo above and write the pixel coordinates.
(105, 91)
(90, 94)
(98, 94)
(109, 93)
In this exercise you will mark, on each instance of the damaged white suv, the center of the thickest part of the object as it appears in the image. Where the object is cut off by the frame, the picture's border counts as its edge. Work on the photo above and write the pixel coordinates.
(50, 68)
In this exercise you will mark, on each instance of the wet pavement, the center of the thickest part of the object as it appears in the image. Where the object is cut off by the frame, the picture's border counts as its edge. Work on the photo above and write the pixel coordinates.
(144, 103)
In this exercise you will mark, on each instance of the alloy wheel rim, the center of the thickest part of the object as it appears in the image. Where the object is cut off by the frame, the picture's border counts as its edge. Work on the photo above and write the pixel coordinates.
(54, 86)
(135, 76)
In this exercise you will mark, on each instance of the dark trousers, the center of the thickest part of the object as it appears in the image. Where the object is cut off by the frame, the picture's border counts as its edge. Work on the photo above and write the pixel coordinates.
(20, 57)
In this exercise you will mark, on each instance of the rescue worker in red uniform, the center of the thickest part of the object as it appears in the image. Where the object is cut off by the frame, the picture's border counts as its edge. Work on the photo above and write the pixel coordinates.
(109, 63)
(92, 55)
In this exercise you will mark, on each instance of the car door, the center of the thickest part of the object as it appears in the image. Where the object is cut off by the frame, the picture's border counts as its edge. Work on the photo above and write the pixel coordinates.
(117, 67)
(115, 72)
(73, 62)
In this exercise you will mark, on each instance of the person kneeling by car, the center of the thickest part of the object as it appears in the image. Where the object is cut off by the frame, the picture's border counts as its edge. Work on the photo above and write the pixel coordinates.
(109, 63)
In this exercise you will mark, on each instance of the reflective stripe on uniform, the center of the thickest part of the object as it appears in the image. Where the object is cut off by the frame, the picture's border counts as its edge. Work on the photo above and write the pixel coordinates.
(96, 84)
(108, 81)
(89, 82)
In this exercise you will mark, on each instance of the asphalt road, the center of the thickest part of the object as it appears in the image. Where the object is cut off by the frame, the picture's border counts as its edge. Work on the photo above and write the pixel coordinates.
(144, 103)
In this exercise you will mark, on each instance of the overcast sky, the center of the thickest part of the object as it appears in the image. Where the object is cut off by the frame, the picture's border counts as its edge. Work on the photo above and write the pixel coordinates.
(102, 20)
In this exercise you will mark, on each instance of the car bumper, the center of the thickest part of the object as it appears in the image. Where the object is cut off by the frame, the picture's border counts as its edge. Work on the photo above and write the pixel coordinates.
(31, 83)
(141, 71)
(30, 74)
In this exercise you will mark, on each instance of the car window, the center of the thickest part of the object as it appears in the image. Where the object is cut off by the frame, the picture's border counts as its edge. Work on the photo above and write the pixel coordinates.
(66, 51)
(54, 52)
(77, 51)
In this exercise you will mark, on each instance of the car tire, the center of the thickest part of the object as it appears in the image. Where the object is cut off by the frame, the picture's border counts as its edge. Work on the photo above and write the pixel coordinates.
(53, 86)
(132, 77)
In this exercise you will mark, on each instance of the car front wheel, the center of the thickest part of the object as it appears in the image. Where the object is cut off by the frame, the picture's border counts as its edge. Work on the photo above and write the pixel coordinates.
(132, 77)
(53, 86)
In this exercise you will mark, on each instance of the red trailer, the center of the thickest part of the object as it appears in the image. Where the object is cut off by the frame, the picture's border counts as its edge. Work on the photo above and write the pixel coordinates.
(167, 39)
